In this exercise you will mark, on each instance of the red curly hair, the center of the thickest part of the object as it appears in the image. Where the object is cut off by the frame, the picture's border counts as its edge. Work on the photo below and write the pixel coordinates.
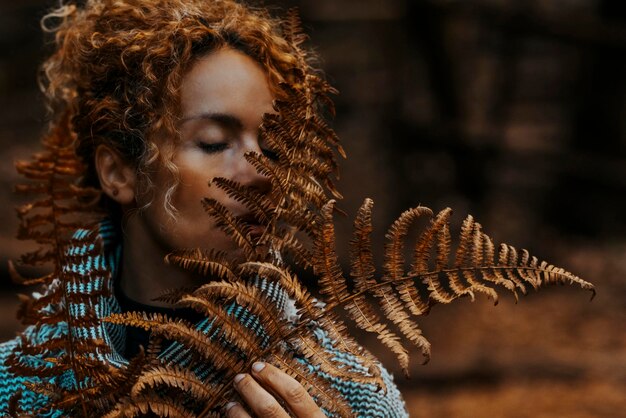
(114, 77)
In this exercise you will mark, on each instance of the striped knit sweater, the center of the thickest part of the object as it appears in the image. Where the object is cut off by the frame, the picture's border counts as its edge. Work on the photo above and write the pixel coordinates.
(365, 400)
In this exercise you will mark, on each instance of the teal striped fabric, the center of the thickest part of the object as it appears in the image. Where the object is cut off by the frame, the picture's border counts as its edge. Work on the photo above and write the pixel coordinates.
(365, 400)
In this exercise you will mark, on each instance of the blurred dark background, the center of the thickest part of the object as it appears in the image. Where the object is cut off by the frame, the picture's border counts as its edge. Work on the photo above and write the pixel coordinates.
(511, 110)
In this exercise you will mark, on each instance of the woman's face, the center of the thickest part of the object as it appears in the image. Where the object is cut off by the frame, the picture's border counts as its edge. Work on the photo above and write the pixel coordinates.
(223, 99)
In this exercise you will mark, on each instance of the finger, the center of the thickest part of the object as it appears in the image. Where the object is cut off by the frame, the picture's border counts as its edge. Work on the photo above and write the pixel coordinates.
(235, 410)
(289, 389)
(260, 401)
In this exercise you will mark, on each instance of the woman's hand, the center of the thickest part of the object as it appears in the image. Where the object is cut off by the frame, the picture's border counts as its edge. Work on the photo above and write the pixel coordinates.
(257, 389)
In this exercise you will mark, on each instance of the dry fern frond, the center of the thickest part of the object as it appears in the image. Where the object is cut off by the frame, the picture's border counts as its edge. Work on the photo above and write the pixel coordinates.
(326, 396)
(57, 210)
(326, 264)
(362, 272)
(235, 332)
(210, 263)
(250, 297)
(234, 227)
(292, 30)
(178, 330)
(473, 269)
(152, 404)
(175, 377)
(259, 204)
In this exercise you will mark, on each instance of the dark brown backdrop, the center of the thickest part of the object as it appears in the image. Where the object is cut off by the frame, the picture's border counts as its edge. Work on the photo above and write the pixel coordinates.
(512, 110)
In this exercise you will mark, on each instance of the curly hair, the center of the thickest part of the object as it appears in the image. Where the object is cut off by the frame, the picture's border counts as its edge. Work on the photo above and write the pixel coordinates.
(115, 74)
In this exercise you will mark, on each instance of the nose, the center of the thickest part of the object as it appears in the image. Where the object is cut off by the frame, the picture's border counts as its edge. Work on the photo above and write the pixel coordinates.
(248, 175)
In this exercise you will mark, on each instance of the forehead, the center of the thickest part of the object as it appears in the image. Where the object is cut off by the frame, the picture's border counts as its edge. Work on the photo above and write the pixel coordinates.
(225, 81)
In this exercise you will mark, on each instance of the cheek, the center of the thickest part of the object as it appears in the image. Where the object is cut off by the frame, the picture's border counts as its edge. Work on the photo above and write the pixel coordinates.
(196, 169)
(193, 188)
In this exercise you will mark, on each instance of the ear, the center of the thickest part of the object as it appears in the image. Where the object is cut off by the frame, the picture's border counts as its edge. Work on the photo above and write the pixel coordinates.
(117, 177)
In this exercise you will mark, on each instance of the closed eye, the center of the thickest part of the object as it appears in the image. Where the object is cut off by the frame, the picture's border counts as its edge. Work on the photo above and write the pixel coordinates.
(211, 148)
(270, 154)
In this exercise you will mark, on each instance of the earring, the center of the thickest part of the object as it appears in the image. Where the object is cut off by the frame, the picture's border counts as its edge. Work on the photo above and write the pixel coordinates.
(115, 192)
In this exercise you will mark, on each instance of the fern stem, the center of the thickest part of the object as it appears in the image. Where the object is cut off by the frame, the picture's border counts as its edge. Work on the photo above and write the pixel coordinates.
(332, 306)
(66, 299)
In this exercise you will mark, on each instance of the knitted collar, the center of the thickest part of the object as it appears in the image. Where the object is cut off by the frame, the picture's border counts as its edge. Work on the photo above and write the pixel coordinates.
(107, 264)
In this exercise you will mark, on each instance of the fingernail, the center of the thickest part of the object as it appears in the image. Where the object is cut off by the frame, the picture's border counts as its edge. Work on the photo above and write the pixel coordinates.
(239, 378)
(229, 405)
(258, 366)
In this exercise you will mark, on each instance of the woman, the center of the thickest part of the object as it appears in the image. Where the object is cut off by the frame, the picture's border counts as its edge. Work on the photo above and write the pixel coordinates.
(159, 98)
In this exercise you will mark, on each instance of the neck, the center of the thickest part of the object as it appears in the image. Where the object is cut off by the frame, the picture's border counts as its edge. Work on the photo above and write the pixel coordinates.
(144, 274)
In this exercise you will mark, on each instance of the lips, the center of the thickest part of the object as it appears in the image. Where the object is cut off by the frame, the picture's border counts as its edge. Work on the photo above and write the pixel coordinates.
(256, 227)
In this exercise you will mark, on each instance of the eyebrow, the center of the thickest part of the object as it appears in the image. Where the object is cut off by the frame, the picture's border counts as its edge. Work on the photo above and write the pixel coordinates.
(221, 118)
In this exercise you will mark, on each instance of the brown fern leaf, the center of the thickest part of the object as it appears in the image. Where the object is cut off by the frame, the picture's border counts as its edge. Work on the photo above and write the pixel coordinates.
(362, 313)
(362, 272)
(296, 135)
(331, 280)
(437, 233)
(179, 330)
(209, 263)
(466, 256)
(234, 227)
(362, 260)
(504, 257)
(326, 264)
(327, 397)
(475, 261)
(527, 276)
(310, 349)
(125, 377)
(308, 310)
(474, 269)
(292, 29)
(250, 297)
(299, 112)
(152, 405)
(443, 238)
(286, 243)
(307, 306)
(71, 398)
(174, 377)
(258, 203)
(278, 329)
(58, 209)
(394, 258)
(332, 283)
(495, 275)
(276, 173)
(302, 341)
(172, 296)
(393, 310)
(38, 258)
(243, 338)
(43, 372)
(307, 188)
(58, 343)
(298, 216)
(315, 157)
(277, 137)
(390, 304)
